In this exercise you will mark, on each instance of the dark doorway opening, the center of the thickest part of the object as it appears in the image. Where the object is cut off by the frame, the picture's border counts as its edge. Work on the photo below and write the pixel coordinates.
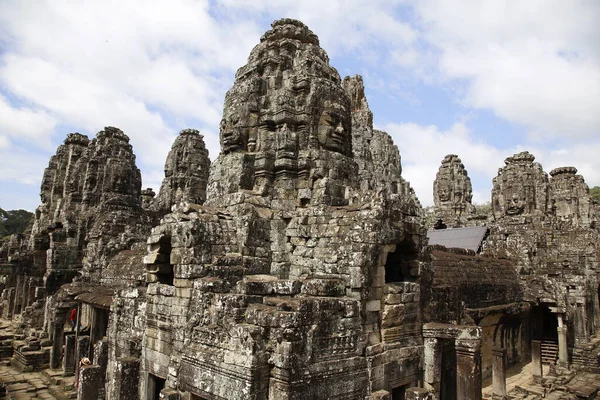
(398, 393)
(155, 385)
(99, 325)
(402, 265)
(545, 323)
(448, 378)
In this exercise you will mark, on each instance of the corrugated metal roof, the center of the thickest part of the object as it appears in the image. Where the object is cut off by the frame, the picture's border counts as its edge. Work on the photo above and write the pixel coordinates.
(463, 238)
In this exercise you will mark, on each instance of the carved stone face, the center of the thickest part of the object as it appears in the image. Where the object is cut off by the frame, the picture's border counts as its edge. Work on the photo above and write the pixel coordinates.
(444, 193)
(332, 132)
(231, 134)
(514, 205)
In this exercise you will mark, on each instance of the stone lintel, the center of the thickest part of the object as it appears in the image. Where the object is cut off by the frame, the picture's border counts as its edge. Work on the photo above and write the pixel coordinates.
(449, 331)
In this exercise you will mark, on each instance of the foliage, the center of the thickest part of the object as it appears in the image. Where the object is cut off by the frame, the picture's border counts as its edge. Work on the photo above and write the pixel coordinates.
(15, 221)
(595, 193)
(483, 208)
(428, 216)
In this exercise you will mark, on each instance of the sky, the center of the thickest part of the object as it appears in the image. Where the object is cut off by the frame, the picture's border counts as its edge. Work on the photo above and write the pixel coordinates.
(481, 79)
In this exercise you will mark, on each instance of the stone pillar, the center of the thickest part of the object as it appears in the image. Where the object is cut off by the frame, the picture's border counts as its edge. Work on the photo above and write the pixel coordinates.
(415, 393)
(89, 384)
(69, 360)
(127, 379)
(563, 355)
(169, 394)
(16, 309)
(11, 303)
(536, 360)
(101, 359)
(57, 343)
(101, 355)
(433, 364)
(499, 373)
(468, 369)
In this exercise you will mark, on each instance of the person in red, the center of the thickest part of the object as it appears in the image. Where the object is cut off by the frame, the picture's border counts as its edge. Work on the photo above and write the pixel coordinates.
(73, 318)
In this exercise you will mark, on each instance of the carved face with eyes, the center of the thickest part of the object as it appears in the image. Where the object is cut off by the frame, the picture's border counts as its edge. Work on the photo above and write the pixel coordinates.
(444, 193)
(514, 205)
(231, 134)
(333, 133)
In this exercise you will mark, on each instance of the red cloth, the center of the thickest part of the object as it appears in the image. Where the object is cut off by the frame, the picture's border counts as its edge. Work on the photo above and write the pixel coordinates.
(74, 314)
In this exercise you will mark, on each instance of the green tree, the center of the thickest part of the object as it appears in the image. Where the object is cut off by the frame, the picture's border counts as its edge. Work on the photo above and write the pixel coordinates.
(484, 208)
(595, 193)
(15, 221)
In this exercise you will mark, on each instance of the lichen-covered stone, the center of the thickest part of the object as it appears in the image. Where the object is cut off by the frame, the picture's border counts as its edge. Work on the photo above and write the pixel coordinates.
(452, 192)
(186, 172)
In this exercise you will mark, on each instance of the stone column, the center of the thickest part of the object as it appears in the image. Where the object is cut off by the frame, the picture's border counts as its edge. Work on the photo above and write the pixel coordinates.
(499, 373)
(101, 355)
(433, 364)
(536, 360)
(57, 342)
(127, 379)
(69, 361)
(11, 303)
(563, 355)
(468, 369)
(415, 393)
(101, 359)
(16, 309)
(89, 383)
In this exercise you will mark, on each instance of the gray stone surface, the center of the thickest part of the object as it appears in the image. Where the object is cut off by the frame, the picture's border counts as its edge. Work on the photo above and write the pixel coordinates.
(452, 193)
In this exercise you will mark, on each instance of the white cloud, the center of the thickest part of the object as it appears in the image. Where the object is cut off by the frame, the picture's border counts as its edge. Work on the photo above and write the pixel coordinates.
(535, 63)
(424, 147)
(152, 69)
(25, 123)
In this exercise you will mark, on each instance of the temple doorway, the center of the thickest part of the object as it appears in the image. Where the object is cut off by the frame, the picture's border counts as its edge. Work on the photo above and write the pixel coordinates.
(402, 264)
(155, 385)
(398, 393)
(448, 376)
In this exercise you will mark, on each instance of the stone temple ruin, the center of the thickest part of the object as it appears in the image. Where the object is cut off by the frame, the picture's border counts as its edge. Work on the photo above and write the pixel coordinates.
(296, 265)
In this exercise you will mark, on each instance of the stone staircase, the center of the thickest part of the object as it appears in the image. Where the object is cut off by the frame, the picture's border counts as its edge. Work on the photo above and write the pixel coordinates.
(549, 351)
(586, 356)
(61, 387)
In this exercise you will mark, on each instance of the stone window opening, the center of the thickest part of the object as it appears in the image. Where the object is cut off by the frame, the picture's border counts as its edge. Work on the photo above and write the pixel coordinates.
(402, 265)
(159, 267)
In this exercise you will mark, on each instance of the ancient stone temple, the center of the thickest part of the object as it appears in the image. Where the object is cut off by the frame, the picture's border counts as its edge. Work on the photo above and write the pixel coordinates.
(277, 287)
(296, 265)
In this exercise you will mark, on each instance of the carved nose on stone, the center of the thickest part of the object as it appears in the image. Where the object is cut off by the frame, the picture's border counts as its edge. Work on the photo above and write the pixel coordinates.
(339, 128)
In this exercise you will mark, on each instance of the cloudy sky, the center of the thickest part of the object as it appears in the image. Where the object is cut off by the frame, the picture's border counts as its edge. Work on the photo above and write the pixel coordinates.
(479, 79)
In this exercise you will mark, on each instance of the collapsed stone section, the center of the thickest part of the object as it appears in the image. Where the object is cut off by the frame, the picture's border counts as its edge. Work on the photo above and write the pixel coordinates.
(452, 192)
(186, 171)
